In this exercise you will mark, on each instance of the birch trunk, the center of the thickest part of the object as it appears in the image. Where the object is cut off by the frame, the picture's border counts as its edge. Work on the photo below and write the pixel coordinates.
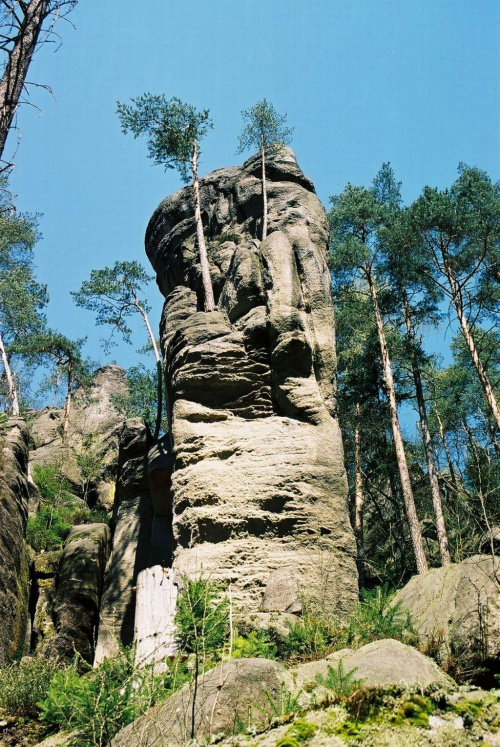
(426, 438)
(208, 300)
(14, 399)
(264, 192)
(359, 502)
(18, 62)
(469, 340)
(404, 474)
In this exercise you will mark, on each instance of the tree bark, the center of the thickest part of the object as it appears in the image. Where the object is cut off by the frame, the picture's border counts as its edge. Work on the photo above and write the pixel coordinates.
(404, 474)
(359, 500)
(208, 301)
(159, 374)
(67, 403)
(14, 399)
(456, 298)
(18, 62)
(426, 438)
(264, 191)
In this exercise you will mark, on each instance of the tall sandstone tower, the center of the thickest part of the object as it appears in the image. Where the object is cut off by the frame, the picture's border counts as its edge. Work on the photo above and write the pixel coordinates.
(259, 492)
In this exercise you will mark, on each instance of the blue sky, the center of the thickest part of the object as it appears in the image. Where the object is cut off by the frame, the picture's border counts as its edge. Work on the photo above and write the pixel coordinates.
(413, 82)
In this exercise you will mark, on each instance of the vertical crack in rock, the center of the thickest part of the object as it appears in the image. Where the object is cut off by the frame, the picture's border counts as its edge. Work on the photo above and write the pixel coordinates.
(258, 483)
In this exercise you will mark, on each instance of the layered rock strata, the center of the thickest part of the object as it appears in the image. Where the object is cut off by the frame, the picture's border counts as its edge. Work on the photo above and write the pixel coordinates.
(14, 579)
(258, 481)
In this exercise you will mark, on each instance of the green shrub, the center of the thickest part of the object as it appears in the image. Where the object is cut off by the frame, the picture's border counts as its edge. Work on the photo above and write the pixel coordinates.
(342, 683)
(257, 644)
(47, 530)
(310, 637)
(202, 619)
(98, 703)
(53, 486)
(375, 618)
(24, 684)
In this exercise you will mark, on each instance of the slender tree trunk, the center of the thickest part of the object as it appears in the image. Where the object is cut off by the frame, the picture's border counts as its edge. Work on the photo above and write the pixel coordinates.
(426, 438)
(14, 77)
(359, 500)
(14, 399)
(264, 190)
(208, 301)
(469, 339)
(449, 460)
(159, 375)
(67, 403)
(404, 474)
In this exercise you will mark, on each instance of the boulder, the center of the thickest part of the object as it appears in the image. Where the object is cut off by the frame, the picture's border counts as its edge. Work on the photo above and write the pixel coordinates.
(379, 664)
(456, 609)
(232, 696)
(94, 428)
(14, 496)
(258, 483)
(78, 592)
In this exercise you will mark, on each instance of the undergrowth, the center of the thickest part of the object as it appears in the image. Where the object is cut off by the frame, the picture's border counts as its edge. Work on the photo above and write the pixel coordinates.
(60, 510)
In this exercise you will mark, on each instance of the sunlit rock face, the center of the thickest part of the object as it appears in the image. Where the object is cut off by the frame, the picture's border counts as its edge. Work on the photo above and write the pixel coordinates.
(259, 481)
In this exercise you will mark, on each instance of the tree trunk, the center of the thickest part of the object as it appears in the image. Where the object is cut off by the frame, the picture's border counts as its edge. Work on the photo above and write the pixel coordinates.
(426, 438)
(208, 301)
(359, 500)
(449, 460)
(14, 399)
(14, 77)
(404, 474)
(159, 375)
(264, 191)
(67, 403)
(469, 339)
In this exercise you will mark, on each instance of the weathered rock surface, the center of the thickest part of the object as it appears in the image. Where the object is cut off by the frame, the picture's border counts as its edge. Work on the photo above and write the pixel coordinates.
(228, 698)
(94, 428)
(78, 592)
(459, 605)
(258, 481)
(379, 664)
(133, 516)
(13, 517)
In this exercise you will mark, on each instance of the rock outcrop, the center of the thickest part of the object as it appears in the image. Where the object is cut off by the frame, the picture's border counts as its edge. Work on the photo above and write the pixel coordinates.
(258, 481)
(78, 592)
(133, 516)
(379, 664)
(14, 579)
(92, 442)
(456, 609)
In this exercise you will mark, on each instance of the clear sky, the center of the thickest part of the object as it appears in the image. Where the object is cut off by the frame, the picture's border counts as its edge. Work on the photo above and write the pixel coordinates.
(413, 82)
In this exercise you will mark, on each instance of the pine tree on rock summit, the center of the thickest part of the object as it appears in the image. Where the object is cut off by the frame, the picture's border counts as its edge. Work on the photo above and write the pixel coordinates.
(265, 129)
(174, 130)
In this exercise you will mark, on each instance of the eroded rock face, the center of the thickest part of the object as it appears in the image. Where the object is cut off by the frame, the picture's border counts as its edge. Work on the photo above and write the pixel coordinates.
(258, 481)
(78, 592)
(133, 516)
(13, 517)
(94, 428)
